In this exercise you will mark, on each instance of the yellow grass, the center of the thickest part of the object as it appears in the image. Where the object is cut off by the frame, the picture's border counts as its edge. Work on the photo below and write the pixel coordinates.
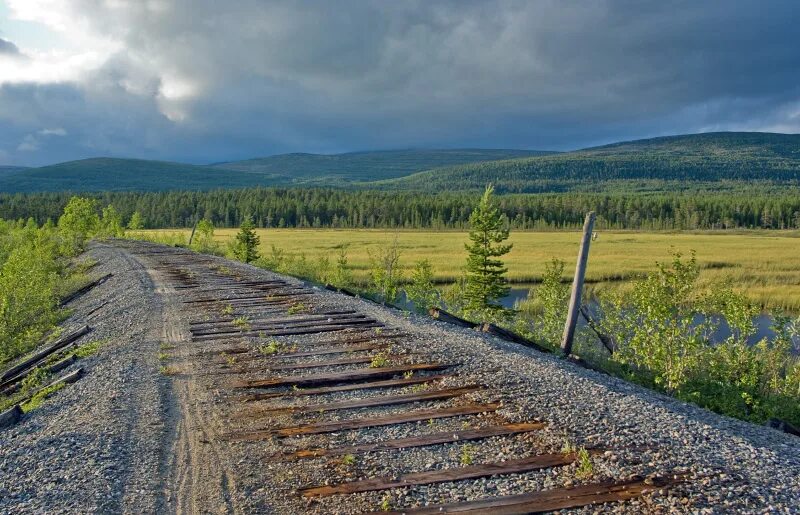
(765, 265)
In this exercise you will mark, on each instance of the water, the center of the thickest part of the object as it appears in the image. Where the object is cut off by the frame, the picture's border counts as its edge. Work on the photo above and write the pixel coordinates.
(763, 322)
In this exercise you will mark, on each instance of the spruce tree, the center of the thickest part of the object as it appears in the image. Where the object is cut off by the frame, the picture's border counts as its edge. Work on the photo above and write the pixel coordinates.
(485, 274)
(245, 247)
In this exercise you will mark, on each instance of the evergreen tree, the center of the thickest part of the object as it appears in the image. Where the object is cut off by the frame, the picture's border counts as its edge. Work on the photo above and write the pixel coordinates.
(245, 247)
(136, 223)
(485, 274)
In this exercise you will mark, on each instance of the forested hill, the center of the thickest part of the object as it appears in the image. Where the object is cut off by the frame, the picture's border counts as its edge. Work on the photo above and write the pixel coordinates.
(366, 166)
(113, 174)
(722, 156)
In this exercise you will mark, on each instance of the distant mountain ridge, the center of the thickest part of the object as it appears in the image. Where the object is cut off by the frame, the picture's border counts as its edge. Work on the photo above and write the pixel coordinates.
(116, 174)
(707, 157)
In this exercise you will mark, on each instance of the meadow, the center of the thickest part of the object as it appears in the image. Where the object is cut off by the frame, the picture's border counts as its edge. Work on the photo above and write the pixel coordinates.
(763, 264)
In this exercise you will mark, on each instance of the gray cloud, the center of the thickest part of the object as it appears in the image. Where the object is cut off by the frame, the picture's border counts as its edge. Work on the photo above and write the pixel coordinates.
(7, 47)
(198, 82)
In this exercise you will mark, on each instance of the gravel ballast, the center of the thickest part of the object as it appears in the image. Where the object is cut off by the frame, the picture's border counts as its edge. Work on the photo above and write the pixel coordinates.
(128, 438)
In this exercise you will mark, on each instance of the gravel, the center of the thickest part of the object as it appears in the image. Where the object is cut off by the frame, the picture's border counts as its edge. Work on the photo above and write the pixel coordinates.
(96, 446)
(104, 444)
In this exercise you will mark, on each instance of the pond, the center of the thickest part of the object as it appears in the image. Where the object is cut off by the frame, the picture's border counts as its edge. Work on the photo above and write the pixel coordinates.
(763, 322)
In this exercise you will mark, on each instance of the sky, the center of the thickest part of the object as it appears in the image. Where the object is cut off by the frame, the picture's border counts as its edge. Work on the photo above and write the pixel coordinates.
(205, 81)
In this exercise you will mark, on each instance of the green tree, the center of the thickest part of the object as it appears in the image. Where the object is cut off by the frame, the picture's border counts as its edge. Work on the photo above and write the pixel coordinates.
(136, 223)
(385, 271)
(245, 247)
(422, 292)
(204, 238)
(553, 297)
(78, 223)
(111, 223)
(485, 274)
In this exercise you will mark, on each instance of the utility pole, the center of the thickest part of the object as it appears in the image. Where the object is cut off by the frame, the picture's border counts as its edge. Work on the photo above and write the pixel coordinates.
(577, 285)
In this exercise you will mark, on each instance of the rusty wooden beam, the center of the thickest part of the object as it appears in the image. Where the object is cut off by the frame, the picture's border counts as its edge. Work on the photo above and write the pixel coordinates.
(389, 420)
(415, 441)
(515, 466)
(290, 332)
(349, 376)
(346, 388)
(378, 400)
(550, 500)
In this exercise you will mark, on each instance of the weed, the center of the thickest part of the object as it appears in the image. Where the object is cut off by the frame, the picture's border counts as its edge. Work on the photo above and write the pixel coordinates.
(296, 308)
(227, 310)
(273, 347)
(165, 347)
(466, 456)
(379, 360)
(348, 459)
(88, 349)
(585, 465)
(386, 503)
(408, 374)
(37, 400)
(242, 322)
(230, 359)
(168, 371)
(163, 356)
(568, 447)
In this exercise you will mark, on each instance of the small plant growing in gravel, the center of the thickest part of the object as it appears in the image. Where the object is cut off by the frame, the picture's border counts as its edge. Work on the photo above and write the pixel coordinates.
(243, 323)
(386, 503)
(230, 360)
(585, 465)
(165, 346)
(465, 425)
(466, 456)
(568, 447)
(348, 459)
(273, 347)
(296, 308)
(378, 330)
(168, 371)
(430, 421)
(37, 400)
(162, 356)
(419, 387)
(379, 360)
(227, 310)
(408, 374)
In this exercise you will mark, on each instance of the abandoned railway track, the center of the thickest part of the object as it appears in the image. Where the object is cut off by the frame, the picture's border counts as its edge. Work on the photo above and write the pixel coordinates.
(320, 387)
(225, 388)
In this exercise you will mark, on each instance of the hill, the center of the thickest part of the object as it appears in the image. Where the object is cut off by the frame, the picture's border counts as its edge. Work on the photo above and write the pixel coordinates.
(111, 174)
(365, 166)
(8, 170)
(710, 157)
(114, 174)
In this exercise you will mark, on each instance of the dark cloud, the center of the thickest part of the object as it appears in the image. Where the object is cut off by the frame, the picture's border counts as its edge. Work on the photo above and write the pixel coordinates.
(199, 82)
(7, 47)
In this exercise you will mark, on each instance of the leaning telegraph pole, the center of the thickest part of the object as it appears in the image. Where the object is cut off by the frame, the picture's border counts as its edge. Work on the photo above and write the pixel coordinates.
(577, 285)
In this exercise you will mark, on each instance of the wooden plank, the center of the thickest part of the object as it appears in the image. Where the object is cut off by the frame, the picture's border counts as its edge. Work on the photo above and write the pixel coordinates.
(378, 400)
(229, 320)
(319, 364)
(10, 416)
(346, 388)
(289, 324)
(349, 376)
(390, 420)
(10, 375)
(441, 476)
(550, 500)
(290, 332)
(444, 316)
(511, 336)
(416, 441)
(81, 291)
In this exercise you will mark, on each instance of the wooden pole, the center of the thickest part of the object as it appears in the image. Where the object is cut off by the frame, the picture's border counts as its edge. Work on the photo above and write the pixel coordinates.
(577, 285)
(194, 228)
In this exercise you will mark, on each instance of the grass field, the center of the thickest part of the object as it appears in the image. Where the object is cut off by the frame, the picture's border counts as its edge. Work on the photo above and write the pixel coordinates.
(764, 264)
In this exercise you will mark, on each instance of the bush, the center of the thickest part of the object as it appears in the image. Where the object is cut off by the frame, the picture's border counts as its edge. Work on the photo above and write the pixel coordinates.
(422, 292)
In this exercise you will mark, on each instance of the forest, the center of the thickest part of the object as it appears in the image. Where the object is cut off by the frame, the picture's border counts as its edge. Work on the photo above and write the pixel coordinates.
(728, 206)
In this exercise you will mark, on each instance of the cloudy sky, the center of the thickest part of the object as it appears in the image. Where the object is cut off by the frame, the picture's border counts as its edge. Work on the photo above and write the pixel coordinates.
(205, 81)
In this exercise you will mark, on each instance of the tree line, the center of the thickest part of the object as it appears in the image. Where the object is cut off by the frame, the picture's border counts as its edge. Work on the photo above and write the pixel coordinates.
(740, 207)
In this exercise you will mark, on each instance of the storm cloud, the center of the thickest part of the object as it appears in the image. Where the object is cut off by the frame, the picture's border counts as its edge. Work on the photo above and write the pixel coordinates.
(204, 81)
